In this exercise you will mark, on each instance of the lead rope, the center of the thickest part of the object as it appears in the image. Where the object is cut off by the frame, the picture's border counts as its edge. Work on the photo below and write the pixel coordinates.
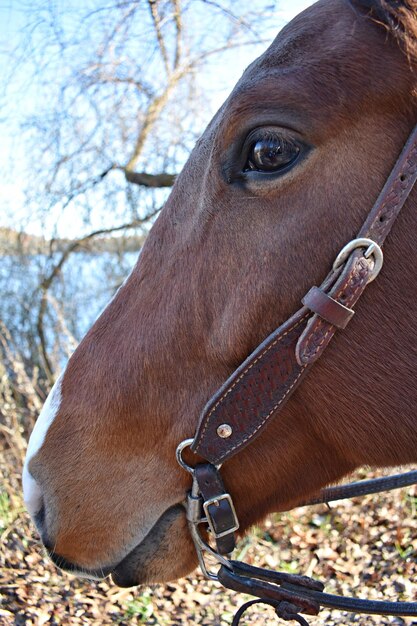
(363, 488)
(283, 610)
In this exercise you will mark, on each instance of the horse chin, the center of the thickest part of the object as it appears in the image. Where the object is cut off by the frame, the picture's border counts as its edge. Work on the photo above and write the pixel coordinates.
(166, 553)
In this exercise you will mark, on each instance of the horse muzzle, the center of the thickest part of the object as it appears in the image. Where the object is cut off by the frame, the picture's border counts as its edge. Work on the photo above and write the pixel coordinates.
(157, 557)
(154, 559)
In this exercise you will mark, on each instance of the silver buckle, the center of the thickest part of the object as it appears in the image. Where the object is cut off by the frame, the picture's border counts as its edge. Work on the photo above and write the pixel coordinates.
(215, 501)
(372, 249)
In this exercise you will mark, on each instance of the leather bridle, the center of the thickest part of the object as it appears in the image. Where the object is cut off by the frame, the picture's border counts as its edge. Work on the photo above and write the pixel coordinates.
(257, 391)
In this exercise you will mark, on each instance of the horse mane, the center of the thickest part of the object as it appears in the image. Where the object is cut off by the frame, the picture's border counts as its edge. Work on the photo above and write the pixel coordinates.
(399, 17)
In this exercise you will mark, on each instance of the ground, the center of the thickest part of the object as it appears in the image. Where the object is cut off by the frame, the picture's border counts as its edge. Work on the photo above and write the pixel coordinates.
(364, 547)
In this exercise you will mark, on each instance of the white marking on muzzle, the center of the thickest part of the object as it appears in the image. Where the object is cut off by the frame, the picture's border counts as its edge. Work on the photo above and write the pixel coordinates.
(32, 493)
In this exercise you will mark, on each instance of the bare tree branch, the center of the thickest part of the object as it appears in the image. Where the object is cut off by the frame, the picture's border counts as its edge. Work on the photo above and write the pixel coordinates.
(121, 86)
(153, 5)
(178, 28)
(150, 180)
(151, 117)
(54, 273)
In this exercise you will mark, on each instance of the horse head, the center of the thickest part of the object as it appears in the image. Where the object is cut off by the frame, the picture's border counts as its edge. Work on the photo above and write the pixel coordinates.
(282, 178)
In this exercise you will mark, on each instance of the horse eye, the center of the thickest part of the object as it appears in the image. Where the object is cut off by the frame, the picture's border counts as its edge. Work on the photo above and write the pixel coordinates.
(271, 154)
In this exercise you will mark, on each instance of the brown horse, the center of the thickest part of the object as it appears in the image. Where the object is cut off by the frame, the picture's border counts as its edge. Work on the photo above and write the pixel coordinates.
(282, 178)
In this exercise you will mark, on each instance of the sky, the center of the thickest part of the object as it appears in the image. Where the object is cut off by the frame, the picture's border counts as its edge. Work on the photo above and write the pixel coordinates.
(13, 22)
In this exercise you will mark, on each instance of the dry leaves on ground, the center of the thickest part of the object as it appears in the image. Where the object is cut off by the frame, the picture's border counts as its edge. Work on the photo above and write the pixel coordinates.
(363, 547)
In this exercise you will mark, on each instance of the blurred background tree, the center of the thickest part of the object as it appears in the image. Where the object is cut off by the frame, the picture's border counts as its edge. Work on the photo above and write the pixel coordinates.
(102, 105)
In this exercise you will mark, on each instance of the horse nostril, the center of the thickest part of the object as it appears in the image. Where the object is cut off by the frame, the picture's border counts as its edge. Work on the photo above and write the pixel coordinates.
(39, 519)
(40, 523)
(35, 504)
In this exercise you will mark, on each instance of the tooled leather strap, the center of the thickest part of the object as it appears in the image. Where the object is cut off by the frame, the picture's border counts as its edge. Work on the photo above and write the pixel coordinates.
(248, 399)
(346, 291)
(355, 277)
(259, 388)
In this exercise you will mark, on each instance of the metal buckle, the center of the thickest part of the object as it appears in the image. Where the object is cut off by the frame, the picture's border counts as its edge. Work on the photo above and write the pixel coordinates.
(194, 518)
(372, 249)
(193, 513)
(215, 501)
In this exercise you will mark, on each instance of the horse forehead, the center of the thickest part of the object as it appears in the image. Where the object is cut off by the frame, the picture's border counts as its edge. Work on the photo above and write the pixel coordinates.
(309, 53)
(327, 32)
(313, 33)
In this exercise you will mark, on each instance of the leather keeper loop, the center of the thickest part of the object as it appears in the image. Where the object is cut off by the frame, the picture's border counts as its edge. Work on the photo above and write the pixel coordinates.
(327, 308)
